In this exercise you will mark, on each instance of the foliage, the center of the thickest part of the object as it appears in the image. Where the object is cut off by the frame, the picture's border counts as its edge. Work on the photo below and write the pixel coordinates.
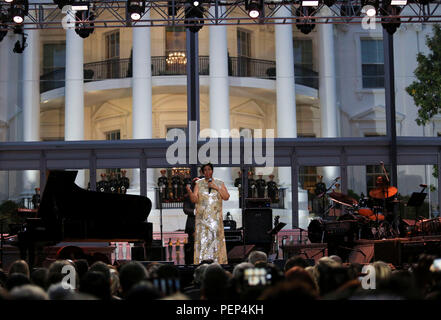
(426, 90)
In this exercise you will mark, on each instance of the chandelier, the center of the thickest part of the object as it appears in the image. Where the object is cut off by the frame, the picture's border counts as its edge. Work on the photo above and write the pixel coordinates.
(176, 58)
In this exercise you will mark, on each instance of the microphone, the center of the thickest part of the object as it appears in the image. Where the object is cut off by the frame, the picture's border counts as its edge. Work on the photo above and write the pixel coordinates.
(338, 178)
(423, 185)
(209, 189)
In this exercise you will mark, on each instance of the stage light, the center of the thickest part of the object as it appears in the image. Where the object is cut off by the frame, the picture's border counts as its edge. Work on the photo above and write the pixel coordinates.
(80, 6)
(370, 7)
(254, 8)
(136, 9)
(18, 10)
(19, 47)
(18, 15)
(9, 1)
(196, 3)
(3, 33)
(193, 14)
(306, 25)
(310, 3)
(84, 23)
(398, 2)
(329, 3)
(62, 3)
(390, 24)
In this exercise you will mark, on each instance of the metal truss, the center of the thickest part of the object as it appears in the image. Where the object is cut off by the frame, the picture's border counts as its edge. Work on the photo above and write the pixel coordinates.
(113, 14)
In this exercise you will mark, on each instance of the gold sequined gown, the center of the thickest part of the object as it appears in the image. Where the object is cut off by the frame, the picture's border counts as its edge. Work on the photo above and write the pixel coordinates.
(209, 236)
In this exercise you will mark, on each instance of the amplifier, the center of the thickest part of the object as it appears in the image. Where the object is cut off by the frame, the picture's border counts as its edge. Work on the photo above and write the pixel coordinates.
(257, 203)
(233, 235)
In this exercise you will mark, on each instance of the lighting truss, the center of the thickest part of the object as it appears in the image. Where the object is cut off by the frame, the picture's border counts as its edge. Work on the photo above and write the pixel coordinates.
(44, 14)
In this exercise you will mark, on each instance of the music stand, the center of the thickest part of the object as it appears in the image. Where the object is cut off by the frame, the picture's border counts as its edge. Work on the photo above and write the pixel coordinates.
(416, 200)
(273, 232)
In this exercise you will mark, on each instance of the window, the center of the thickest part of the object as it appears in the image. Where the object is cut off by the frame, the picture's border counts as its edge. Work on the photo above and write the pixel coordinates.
(113, 135)
(243, 52)
(175, 39)
(54, 56)
(112, 55)
(303, 53)
(372, 63)
(54, 63)
(308, 174)
(176, 50)
(374, 171)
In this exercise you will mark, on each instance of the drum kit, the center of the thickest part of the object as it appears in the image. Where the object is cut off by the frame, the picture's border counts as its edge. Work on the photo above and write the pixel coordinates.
(370, 214)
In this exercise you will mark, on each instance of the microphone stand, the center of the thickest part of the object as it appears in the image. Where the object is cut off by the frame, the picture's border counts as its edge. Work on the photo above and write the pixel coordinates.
(160, 223)
(324, 193)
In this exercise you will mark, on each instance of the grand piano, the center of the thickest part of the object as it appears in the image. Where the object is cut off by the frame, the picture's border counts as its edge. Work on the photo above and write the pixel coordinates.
(70, 213)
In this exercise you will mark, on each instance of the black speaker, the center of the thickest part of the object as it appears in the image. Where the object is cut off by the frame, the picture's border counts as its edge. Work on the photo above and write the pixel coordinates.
(256, 224)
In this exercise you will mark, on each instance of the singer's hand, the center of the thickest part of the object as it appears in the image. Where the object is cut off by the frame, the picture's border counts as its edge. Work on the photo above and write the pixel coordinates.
(213, 186)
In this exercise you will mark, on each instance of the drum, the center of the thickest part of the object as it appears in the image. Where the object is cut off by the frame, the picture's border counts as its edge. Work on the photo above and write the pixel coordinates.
(365, 212)
(316, 230)
(373, 217)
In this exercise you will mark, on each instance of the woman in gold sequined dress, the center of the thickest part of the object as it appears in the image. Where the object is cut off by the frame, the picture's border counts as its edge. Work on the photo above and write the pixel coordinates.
(208, 193)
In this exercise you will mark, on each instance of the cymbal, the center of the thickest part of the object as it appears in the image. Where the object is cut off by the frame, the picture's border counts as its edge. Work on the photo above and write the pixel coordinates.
(342, 199)
(383, 192)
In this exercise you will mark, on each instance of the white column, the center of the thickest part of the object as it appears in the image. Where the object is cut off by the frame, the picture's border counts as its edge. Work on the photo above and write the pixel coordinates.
(327, 89)
(142, 94)
(74, 93)
(219, 88)
(285, 87)
(31, 100)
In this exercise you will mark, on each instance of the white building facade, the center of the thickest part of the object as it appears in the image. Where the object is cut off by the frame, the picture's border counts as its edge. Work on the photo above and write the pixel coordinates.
(130, 83)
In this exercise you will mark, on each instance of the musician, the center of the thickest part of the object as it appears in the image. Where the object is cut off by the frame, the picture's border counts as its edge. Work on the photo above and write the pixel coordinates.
(36, 198)
(103, 185)
(238, 185)
(163, 185)
(188, 208)
(260, 185)
(251, 185)
(113, 183)
(177, 184)
(272, 189)
(124, 182)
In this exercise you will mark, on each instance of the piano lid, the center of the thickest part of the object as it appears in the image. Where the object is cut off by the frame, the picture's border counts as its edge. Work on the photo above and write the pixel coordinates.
(62, 198)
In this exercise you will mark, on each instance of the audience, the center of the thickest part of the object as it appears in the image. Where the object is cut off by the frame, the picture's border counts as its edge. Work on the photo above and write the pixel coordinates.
(256, 278)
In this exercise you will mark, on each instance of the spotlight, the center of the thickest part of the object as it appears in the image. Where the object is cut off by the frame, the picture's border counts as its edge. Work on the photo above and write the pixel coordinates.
(398, 2)
(370, 7)
(390, 24)
(3, 33)
(193, 14)
(9, 1)
(135, 9)
(254, 8)
(18, 10)
(3, 26)
(84, 23)
(306, 25)
(329, 3)
(19, 47)
(310, 3)
(62, 3)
